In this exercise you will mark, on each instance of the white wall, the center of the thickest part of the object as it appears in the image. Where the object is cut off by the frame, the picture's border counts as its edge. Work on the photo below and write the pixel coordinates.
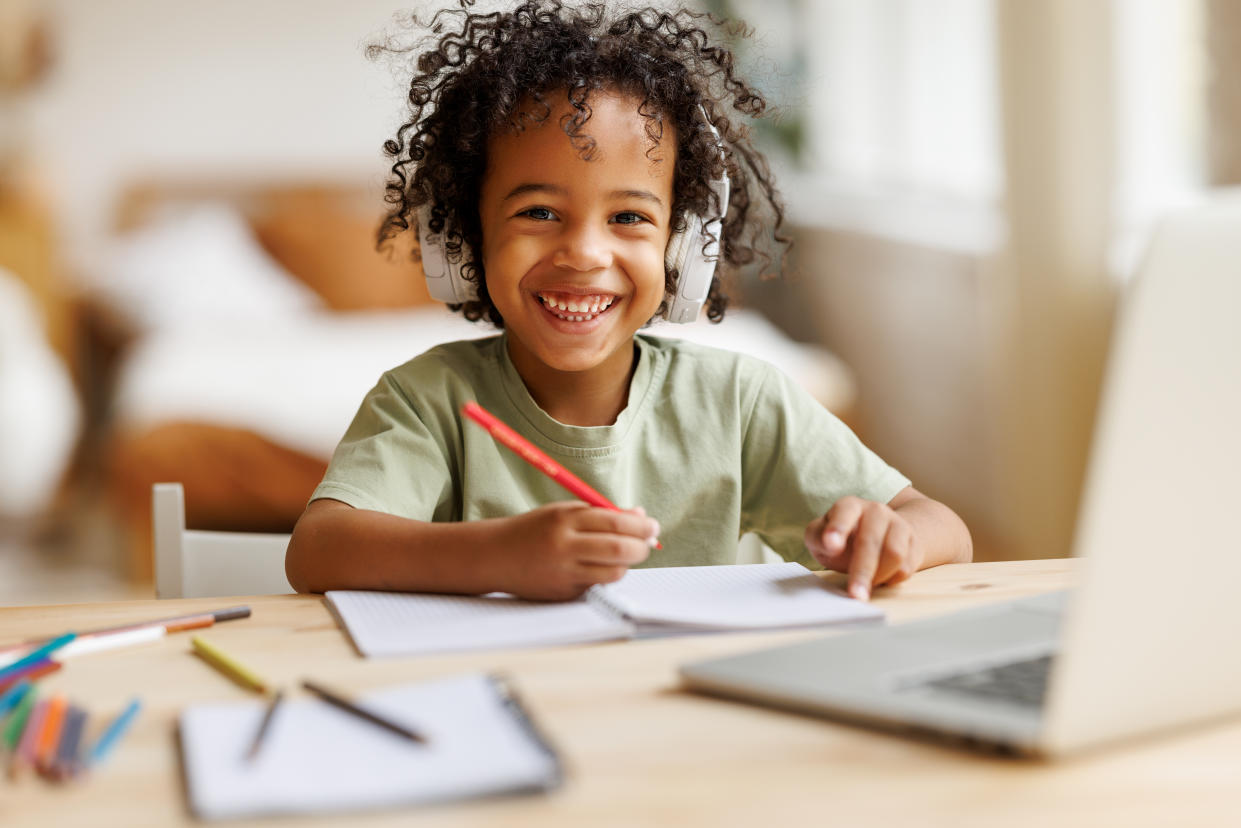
(919, 324)
(194, 88)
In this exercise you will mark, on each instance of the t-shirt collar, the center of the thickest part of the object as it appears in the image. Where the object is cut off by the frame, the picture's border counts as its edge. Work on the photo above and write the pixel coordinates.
(570, 436)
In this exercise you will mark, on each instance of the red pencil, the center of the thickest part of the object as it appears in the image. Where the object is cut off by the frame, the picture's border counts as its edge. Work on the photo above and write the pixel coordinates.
(37, 669)
(536, 458)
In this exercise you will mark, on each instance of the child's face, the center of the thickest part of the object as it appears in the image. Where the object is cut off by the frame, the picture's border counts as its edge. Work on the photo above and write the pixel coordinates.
(573, 249)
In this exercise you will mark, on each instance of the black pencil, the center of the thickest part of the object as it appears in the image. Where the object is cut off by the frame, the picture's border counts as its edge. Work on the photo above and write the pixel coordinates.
(348, 706)
(264, 726)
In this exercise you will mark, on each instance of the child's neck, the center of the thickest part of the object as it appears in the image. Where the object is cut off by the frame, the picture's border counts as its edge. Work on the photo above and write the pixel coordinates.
(579, 398)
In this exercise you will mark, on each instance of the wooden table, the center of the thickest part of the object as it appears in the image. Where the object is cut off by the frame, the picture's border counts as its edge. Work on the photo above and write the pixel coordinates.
(637, 749)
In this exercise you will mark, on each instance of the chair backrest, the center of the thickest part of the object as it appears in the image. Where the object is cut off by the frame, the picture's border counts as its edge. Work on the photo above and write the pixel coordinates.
(190, 563)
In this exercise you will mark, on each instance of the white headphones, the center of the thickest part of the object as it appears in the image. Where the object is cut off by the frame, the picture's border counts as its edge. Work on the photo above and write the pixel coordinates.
(688, 252)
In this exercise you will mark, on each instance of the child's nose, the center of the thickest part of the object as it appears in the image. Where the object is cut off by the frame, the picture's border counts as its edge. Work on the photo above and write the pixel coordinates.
(583, 247)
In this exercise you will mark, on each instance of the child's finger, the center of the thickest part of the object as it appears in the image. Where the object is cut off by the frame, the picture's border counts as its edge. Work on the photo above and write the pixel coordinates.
(894, 553)
(599, 549)
(837, 559)
(867, 547)
(617, 523)
(591, 574)
(827, 537)
(842, 521)
(813, 539)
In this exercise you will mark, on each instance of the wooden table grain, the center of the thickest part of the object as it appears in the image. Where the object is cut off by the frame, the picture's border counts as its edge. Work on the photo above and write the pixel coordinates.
(638, 750)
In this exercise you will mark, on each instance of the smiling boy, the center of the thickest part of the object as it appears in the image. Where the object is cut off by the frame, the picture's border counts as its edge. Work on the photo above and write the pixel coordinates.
(557, 158)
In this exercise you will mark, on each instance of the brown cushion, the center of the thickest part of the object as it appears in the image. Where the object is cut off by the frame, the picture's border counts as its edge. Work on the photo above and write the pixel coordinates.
(234, 479)
(329, 244)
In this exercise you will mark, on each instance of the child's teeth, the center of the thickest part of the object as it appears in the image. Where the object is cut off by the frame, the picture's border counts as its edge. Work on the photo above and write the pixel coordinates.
(578, 309)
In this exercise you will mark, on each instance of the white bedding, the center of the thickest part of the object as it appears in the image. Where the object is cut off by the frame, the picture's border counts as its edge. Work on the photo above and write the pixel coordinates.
(39, 413)
(298, 381)
(227, 337)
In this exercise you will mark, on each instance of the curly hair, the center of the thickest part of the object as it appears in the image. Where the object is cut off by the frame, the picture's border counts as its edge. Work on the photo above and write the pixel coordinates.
(475, 79)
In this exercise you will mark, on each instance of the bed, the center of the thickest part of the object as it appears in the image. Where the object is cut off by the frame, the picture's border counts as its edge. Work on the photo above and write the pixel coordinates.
(246, 323)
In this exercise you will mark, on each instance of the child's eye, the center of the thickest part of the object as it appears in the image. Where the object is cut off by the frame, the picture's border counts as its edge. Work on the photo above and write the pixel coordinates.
(538, 213)
(628, 217)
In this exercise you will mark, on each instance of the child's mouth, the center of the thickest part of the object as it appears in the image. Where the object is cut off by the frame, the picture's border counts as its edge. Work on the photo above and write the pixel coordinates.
(572, 308)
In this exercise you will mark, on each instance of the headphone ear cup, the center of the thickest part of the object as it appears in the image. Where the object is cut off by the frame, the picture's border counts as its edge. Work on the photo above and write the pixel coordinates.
(444, 279)
(695, 250)
(678, 250)
(694, 272)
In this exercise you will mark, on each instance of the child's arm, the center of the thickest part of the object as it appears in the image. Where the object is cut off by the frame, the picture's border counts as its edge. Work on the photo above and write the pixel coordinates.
(555, 552)
(883, 544)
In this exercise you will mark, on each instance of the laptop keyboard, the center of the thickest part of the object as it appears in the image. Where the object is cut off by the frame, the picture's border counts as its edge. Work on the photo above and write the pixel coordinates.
(1019, 682)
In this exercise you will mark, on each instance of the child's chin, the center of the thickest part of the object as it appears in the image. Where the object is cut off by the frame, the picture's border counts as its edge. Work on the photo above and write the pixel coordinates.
(576, 361)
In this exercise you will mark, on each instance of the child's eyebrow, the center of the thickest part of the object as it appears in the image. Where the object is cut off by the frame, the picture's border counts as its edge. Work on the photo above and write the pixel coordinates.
(522, 189)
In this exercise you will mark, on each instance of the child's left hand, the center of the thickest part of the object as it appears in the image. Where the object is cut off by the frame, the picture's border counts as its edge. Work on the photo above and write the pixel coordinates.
(868, 540)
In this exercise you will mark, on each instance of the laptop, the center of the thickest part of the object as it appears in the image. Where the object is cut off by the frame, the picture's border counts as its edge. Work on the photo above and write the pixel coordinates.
(1147, 641)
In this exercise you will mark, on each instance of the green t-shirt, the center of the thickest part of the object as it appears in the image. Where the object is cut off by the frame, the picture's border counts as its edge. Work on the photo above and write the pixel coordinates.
(712, 444)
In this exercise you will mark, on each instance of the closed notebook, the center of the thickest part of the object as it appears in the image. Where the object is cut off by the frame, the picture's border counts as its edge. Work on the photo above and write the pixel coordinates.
(645, 602)
(316, 758)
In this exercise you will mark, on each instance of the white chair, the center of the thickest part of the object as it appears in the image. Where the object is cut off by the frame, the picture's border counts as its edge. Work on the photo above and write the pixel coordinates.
(195, 564)
(751, 550)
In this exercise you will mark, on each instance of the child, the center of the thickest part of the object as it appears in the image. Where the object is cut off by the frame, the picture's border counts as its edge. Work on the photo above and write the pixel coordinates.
(553, 156)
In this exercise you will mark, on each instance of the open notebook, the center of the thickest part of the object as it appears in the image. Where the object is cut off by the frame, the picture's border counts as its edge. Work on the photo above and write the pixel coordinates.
(317, 759)
(645, 602)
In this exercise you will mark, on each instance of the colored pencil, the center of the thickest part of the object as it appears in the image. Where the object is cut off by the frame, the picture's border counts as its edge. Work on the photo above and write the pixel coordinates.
(228, 666)
(68, 761)
(362, 713)
(112, 641)
(16, 724)
(37, 654)
(29, 672)
(13, 695)
(527, 451)
(26, 751)
(49, 738)
(113, 733)
(264, 726)
(175, 623)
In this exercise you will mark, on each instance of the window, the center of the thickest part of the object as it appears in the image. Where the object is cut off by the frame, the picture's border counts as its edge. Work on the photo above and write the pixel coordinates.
(888, 111)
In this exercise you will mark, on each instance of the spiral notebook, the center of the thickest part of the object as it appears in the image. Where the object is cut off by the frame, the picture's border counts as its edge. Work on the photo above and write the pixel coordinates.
(317, 759)
(646, 602)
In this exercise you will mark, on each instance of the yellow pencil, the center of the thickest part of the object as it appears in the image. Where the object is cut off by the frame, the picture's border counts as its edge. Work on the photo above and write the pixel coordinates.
(228, 666)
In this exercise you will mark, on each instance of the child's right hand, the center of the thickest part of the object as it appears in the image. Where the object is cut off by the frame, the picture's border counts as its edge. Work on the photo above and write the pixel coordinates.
(560, 550)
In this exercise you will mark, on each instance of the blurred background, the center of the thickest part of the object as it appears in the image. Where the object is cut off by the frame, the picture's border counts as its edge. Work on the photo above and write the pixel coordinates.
(189, 290)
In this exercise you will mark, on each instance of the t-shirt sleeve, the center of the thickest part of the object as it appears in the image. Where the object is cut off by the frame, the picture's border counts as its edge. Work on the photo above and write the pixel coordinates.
(797, 459)
(392, 458)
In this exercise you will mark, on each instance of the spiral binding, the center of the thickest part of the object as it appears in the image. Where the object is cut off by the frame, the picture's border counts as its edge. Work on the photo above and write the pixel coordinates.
(511, 700)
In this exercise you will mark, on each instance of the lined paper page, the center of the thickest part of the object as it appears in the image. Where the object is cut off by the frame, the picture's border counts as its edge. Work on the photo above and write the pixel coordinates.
(394, 623)
(740, 596)
(316, 758)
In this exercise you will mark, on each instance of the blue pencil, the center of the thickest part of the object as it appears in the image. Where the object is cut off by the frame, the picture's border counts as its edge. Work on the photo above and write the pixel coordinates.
(13, 696)
(35, 655)
(109, 737)
(68, 762)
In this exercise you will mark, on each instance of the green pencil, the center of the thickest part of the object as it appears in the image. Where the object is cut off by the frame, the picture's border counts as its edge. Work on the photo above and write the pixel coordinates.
(17, 722)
